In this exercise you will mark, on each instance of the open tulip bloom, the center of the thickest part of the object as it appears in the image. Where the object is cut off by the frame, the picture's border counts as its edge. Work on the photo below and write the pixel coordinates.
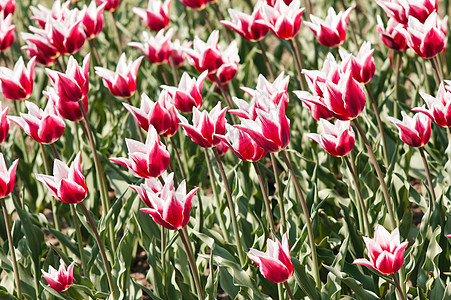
(17, 84)
(439, 108)
(60, 280)
(362, 66)
(156, 16)
(415, 131)
(7, 176)
(7, 35)
(157, 48)
(93, 19)
(390, 35)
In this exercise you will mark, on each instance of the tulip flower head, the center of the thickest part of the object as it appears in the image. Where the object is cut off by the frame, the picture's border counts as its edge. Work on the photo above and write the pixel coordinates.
(156, 16)
(7, 34)
(196, 4)
(111, 5)
(362, 66)
(167, 206)
(161, 114)
(62, 279)
(178, 54)
(7, 176)
(385, 250)
(4, 123)
(44, 126)
(121, 83)
(189, 92)
(8, 6)
(205, 126)
(38, 45)
(330, 32)
(93, 20)
(41, 14)
(275, 264)
(145, 160)
(390, 35)
(67, 183)
(68, 110)
(73, 85)
(439, 108)
(156, 49)
(17, 84)
(277, 90)
(315, 105)
(416, 131)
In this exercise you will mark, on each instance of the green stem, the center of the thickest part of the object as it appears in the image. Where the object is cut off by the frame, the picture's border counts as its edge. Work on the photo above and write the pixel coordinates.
(230, 202)
(163, 259)
(116, 32)
(265, 57)
(221, 17)
(436, 66)
(81, 248)
(397, 73)
(289, 292)
(192, 263)
(101, 249)
(429, 179)
(283, 219)
(426, 78)
(297, 55)
(177, 157)
(22, 134)
(265, 196)
(93, 47)
(398, 287)
(306, 212)
(11, 249)
(207, 21)
(175, 73)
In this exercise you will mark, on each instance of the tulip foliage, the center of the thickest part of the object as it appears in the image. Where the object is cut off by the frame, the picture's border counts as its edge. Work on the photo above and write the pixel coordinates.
(199, 149)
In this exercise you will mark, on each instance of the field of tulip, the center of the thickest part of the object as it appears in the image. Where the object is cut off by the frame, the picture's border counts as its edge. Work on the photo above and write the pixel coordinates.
(199, 149)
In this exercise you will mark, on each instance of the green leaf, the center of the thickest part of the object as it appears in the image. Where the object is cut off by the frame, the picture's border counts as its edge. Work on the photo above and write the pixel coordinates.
(305, 281)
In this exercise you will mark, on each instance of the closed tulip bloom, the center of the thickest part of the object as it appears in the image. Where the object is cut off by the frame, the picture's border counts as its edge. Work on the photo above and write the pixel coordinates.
(67, 183)
(315, 105)
(362, 66)
(68, 110)
(38, 45)
(44, 126)
(439, 108)
(242, 144)
(156, 49)
(7, 34)
(276, 90)
(167, 206)
(275, 264)
(283, 20)
(229, 66)
(397, 9)
(161, 114)
(222, 148)
(426, 39)
(17, 84)
(73, 85)
(245, 24)
(330, 32)
(196, 4)
(391, 36)
(156, 16)
(178, 54)
(385, 250)
(111, 5)
(416, 131)
(121, 83)
(93, 19)
(8, 6)
(62, 279)
(337, 139)
(145, 160)
(189, 92)
(4, 123)
(421, 9)
(330, 71)
(59, 11)
(205, 126)
(7, 176)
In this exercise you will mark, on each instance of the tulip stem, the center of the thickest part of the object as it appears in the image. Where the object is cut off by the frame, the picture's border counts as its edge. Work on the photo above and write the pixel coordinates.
(426, 78)
(207, 21)
(175, 74)
(192, 263)
(79, 239)
(163, 259)
(429, 179)
(216, 196)
(283, 218)
(230, 202)
(101, 248)
(298, 62)
(397, 73)
(116, 32)
(289, 292)
(55, 152)
(225, 94)
(221, 17)
(306, 212)
(437, 70)
(363, 211)
(11, 249)
(265, 196)
(94, 49)
(380, 176)
(379, 123)
(398, 287)
(265, 57)
(164, 75)
(177, 157)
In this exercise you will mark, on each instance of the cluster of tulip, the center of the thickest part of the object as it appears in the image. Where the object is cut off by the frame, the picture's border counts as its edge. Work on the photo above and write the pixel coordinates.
(251, 129)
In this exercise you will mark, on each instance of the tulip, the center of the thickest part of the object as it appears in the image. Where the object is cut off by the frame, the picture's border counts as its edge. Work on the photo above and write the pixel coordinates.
(145, 160)
(7, 176)
(178, 54)
(337, 139)
(196, 4)
(331, 70)
(45, 127)
(391, 36)
(275, 264)
(246, 25)
(242, 144)
(222, 148)
(7, 34)
(39, 46)
(161, 114)
(17, 84)
(362, 66)
(229, 67)
(427, 39)
(315, 105)
(62, 279)
(422, 9)
(156, 16)
(277, 90)
(396, 9)
(189, 92)
(416, 131)
(7, 6)
(4, 123)
(156, 49)
(73, 85)
(93, 19)
(66, 109)
(66, 34)
(205, 126)
(330, 32)
(261, 100)
(111, 5)
(121, 83)
(167, 206)
(385, 251)
(67, 183)
(283, 20)
(41, 14)
(439, 108)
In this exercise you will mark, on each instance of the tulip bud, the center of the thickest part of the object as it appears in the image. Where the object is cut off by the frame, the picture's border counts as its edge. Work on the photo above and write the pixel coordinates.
(7, 176)
(17, 84)
(62, 279)
(156, 16)
(439, 107)
(178, 54)
(416, 131)
(93, 19)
